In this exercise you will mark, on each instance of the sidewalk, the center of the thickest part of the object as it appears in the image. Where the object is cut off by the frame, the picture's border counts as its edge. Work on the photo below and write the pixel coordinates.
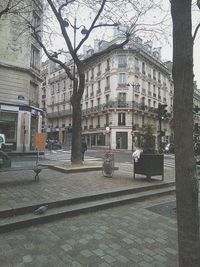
(19, 188)
(130, 235)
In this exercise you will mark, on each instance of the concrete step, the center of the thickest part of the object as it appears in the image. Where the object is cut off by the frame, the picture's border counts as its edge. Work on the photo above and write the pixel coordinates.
(24, 216)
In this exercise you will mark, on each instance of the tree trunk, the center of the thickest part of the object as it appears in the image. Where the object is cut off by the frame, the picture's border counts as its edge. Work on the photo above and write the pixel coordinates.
(76, 157)
(186, 176)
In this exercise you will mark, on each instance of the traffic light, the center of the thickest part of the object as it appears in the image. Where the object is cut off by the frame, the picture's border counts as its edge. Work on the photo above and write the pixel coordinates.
(162, 112)
(196, 109)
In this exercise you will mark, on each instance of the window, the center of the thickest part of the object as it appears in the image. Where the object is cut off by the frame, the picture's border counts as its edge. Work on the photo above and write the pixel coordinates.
(98, 101)
(87, 76)
(58, 89)
(92, 73)
(108, 64)
(154, 74)
(99, 70)
(107, 99)
(108, 81)
(159, 77)
(122, 78)
(122, 97)
(121, 119)
(107, 119)
(143, 68)
(36, 20)
(99, 85)
(64, 85)
(35, 58)
(137, 64)
(52, 89)
(122, 61)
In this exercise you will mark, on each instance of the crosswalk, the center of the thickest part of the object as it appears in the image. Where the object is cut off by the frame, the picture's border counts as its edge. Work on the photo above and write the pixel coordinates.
(65, 155)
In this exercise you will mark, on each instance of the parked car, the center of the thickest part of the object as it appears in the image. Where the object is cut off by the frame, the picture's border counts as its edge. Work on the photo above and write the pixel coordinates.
(53, 144)
(169, 148)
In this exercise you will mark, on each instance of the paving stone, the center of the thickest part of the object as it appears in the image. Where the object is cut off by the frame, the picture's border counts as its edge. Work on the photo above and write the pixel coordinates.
(66, 247)
(86, 253)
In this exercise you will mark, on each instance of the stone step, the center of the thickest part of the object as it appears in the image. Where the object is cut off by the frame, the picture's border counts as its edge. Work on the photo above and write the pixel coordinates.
(84, 198)
(77, 206)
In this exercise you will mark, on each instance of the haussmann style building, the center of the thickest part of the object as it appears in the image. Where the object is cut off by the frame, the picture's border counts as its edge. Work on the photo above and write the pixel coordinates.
(122, 92)
(20, 78)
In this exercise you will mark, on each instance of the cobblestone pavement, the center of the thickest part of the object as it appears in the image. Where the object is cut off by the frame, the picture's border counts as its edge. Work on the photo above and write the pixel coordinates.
(19, 188)
(129, 235)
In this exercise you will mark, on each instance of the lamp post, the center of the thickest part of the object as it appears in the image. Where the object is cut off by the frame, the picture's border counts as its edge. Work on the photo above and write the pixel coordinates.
(74, 26)
(134, 86)
(84, 31)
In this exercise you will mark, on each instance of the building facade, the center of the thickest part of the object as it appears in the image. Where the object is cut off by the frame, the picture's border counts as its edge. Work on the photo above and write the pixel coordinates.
(122, 92)
(20, 115)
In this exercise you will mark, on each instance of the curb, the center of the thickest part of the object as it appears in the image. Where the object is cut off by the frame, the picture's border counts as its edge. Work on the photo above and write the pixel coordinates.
(79, 169)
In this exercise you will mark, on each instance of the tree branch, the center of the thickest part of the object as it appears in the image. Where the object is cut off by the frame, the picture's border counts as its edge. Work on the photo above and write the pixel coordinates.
(64, 32)
(52, 57)
(195, 32)
(91, 26)
(6, 9)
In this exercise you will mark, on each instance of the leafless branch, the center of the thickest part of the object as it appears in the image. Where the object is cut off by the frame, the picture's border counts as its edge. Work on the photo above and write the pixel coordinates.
(196, 31)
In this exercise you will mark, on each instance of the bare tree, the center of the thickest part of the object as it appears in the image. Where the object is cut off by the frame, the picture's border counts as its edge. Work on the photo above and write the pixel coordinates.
(186, 177)
(103, 14)
(12, 7)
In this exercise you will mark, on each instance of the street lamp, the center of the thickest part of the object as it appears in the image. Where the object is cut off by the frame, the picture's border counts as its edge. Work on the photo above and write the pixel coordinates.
(84, 31)
(74, 26)
(134, 86)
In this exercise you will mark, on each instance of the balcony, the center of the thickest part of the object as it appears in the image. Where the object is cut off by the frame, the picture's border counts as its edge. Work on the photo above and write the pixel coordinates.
(107, 88)
(122, 85)
(97, 126)
(98, 92)
(112, 105)
(59, 114)
(91, 127)
(122, 65)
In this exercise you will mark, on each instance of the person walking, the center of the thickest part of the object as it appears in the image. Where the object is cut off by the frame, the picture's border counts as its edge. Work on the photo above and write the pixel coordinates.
(83, 148)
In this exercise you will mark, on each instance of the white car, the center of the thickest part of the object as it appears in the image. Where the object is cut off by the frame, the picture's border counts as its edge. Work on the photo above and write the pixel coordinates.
(2, 140)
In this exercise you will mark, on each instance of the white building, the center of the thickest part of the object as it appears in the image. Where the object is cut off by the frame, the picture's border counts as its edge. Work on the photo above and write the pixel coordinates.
(123, 90)
(20, 116)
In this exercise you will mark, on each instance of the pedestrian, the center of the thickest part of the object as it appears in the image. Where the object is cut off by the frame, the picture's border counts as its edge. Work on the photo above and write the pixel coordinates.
(83, 148)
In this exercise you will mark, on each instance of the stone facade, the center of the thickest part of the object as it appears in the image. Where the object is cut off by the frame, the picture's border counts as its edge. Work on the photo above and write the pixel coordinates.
(20, 116)
(122, 91)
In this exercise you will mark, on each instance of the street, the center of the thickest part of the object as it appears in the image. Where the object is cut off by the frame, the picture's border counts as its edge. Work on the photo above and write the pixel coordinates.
(123, 158)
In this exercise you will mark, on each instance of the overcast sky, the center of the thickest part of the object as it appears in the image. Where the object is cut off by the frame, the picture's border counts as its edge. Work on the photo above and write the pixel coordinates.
(166, 52)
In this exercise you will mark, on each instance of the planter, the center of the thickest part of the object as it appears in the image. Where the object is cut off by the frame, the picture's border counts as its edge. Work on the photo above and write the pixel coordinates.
(150, 165)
